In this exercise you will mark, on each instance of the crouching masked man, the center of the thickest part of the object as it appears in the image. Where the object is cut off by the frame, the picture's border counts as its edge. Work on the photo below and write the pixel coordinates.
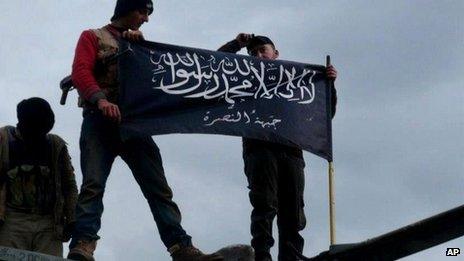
(100, 142)
(38, 190)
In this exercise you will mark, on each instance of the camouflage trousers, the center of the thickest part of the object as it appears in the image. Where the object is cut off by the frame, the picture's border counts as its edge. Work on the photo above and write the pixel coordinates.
(31, 232)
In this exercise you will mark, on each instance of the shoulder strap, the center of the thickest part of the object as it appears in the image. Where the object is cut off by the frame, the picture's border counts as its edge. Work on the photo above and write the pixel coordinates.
(105, 37)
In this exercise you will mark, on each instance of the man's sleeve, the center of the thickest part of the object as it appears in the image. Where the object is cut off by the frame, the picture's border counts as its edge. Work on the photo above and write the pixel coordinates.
(2, 185)
(83, 67)
(69, 187)
(230, 47)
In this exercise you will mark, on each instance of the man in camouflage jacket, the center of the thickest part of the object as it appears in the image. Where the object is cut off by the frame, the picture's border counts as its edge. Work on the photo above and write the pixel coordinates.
(38, 191)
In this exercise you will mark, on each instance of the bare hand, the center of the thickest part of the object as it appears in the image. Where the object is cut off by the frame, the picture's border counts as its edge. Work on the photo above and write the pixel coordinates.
(243, 39)
(331, 73)
(133, 36)
(109, 110)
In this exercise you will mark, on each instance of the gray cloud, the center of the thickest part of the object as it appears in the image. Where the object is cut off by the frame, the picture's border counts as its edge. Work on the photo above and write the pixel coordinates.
(397, 133)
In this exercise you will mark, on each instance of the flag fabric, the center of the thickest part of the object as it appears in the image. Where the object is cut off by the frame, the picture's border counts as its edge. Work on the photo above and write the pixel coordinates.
(172, 89)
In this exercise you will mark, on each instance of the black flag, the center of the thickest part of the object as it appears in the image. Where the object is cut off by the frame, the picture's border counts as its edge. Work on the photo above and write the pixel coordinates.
(173, 89)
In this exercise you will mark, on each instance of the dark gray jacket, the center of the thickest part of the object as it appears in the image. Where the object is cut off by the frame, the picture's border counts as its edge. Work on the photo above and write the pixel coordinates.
(65, 182)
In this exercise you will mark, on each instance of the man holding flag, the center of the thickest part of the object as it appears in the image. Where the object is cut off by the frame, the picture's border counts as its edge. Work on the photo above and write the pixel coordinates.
(275, 173)
(96, 79)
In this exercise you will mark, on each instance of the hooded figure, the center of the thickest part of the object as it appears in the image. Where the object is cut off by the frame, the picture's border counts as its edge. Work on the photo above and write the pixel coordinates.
(38, 191)
(35, 119)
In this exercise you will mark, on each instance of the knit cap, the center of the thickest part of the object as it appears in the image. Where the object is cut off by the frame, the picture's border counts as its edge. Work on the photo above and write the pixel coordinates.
(123, 7)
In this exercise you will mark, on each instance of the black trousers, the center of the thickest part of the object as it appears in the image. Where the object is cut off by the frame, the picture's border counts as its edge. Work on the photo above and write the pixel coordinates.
(276, 182)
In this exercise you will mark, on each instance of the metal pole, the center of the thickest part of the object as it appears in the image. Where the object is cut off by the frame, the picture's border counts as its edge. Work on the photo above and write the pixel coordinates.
(402, 242)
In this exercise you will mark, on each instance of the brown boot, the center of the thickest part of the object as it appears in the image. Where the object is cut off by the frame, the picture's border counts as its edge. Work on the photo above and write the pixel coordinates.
(191, 253)
(83, 250)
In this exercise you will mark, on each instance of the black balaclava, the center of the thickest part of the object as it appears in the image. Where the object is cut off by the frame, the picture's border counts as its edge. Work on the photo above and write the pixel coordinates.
(35, 118)
(123, 7)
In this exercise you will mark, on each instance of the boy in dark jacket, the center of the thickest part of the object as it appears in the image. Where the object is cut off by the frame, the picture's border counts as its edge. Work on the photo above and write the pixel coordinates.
(275, 173)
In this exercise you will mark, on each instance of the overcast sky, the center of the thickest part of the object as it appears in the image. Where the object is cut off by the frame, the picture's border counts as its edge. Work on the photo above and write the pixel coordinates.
(398, 145)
